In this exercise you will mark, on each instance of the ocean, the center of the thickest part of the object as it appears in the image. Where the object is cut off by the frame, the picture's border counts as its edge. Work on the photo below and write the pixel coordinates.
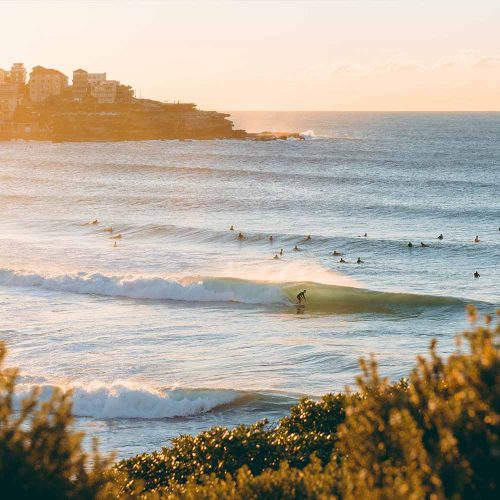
(181, 325)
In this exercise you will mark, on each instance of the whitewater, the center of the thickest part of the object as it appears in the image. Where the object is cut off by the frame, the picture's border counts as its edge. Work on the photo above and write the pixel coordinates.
(182, 325)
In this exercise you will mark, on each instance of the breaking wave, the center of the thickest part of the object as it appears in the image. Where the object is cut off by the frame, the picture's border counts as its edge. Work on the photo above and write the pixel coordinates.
(131, 400)
(308, 134)
(322, 297)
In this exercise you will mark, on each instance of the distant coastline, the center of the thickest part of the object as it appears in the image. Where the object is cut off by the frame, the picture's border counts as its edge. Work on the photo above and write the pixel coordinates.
(94, 108)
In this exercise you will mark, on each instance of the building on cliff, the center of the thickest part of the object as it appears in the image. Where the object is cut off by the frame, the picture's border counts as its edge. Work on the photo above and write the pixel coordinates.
(17, 76)
(12, 86)
(105, 91)
(9, 99)
(95, 78)
(80, 84)
(46, 82)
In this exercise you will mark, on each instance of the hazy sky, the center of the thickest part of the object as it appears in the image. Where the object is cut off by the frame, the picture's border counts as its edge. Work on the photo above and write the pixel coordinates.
(279, 55)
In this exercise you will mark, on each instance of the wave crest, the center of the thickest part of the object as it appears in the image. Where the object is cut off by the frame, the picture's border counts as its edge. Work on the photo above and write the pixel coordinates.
(129, 400)
(328, 297)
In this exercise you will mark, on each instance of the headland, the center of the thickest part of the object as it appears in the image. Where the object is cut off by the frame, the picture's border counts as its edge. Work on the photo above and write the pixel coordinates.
(46, 108)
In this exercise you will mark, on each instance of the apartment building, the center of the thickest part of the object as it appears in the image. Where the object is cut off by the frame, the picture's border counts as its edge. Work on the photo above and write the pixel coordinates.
(105, 91)
(46, 82)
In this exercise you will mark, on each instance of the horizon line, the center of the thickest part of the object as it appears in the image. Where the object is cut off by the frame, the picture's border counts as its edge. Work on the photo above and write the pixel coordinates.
(356, 111)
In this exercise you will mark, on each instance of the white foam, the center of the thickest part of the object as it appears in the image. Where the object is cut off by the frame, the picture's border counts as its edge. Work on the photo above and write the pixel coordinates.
(308, 134)
(124, 399)
(204, 289)
(283, 271)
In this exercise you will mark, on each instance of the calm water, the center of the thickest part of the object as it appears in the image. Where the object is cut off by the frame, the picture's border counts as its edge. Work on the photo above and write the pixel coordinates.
(181, 326)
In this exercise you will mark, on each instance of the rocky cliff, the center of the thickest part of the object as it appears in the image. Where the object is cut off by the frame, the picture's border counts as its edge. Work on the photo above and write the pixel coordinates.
(142, 119)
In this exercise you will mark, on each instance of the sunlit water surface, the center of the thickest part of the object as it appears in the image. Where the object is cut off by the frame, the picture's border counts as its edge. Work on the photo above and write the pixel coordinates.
(181, 326)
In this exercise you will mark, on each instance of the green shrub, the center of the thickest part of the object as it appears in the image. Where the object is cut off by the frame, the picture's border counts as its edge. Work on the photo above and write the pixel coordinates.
(310, 428)
(438, 439)
(313, 482)
(434, 436)
(39, 455)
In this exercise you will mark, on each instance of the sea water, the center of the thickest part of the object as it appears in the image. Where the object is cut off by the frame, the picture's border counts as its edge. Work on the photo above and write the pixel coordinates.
(181, 325)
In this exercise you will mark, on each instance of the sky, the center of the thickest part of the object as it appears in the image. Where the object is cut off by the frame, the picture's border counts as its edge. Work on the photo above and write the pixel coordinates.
(346, 55)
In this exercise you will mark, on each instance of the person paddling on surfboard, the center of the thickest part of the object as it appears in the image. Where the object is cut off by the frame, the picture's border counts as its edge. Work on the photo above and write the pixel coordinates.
(301, 296)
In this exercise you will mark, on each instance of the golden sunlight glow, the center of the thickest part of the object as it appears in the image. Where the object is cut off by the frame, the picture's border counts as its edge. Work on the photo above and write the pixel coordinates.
(275, 55)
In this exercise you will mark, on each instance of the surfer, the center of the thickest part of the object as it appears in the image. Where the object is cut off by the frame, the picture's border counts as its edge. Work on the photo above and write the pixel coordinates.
(115, 244)
(422, 244)
(337, 254)
(365, 235)
(296, 248)
(301, 296)
(231, 228)
(281, 252)
(440, 237)
(276, 257)
(410, 244)
(307, 238)
(342, 261)
(108, 230)
(359, 261)
(95, 221)
(240, 236)
(476, 275)
(271, 238)
(476, 239)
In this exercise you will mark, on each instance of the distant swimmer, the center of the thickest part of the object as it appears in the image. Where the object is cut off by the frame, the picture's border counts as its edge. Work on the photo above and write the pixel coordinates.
(410, 244)
(359, 261)
(276, 257)
(342, 261)
(231, 228)
(337, 254)
(296, 249)
(476, 239)
(115, 244)
(365, 235)
(301, 297)
(308, 238)
(422, 244)
(116, 237)
(476, 275)
(271, 238)
(440, 237)
(281, 252)
(240, 236)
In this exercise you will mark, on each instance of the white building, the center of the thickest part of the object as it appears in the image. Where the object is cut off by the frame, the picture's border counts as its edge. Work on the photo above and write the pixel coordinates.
(105, 91)
(94, 78)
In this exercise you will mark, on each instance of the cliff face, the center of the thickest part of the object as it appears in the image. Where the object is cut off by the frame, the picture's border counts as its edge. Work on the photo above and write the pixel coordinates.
(140, 120)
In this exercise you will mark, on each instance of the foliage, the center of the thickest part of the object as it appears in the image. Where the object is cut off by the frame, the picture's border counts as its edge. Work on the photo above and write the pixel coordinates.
(438, 439)
(310, 428)
(40, 457)
(433, 436)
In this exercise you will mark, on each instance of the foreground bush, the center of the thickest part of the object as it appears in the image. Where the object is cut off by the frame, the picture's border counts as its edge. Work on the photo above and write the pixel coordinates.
(438, 439)
(435, 436)
(310, 428)
(39, 456)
